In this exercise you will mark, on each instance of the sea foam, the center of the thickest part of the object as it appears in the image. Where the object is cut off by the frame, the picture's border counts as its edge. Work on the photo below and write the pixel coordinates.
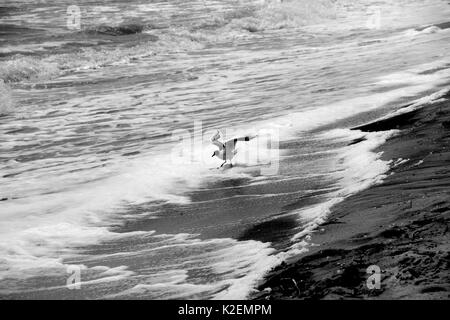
(6, 100)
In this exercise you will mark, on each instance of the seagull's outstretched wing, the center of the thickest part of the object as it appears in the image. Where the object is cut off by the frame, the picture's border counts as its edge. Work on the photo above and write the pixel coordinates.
(215, 140)
(231, 144)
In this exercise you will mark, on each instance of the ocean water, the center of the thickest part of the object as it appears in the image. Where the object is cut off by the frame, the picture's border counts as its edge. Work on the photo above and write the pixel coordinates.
(106, 112)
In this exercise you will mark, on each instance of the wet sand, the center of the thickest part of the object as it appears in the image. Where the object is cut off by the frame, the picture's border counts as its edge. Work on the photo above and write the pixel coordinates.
(400, 225)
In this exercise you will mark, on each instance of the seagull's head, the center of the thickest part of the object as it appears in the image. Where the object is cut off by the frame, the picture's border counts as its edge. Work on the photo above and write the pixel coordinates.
(216, 153)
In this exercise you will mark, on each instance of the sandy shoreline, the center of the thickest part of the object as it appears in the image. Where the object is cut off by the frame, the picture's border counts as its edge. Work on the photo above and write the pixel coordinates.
(400, 225)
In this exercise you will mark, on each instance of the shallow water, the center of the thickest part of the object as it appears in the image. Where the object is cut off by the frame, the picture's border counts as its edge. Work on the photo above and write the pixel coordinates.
(94, 174)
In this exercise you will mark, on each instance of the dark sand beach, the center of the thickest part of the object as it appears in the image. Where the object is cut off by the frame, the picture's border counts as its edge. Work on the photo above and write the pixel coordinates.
(400, 225)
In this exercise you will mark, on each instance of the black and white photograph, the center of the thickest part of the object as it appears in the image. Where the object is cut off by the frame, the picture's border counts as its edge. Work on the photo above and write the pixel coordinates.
(232, 150)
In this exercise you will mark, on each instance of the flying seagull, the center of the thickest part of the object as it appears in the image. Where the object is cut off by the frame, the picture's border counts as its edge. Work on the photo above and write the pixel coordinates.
(227, 150)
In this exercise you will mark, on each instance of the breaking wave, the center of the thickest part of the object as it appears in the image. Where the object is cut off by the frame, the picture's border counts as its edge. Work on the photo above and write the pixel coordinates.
(256, 16)
(287, 14)
(427, 29)
(242, 21)
(29, 68)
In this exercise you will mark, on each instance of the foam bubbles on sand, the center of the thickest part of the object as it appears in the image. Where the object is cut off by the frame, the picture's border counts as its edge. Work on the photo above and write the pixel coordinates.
(357, 167)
